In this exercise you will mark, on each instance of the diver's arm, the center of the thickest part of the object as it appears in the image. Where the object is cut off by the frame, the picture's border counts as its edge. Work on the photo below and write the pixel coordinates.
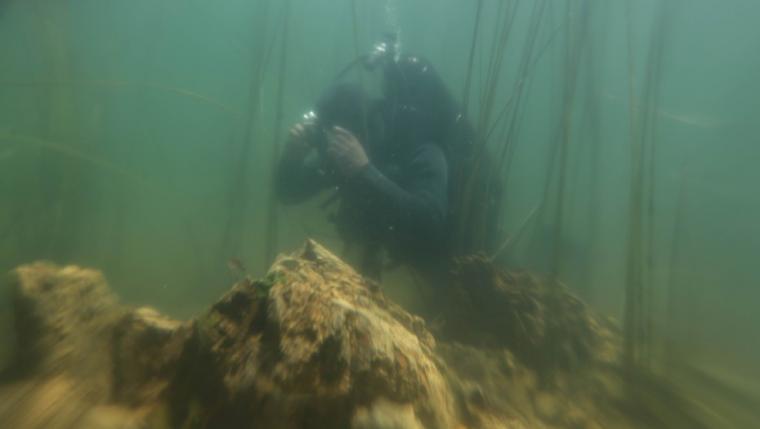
(420, 207)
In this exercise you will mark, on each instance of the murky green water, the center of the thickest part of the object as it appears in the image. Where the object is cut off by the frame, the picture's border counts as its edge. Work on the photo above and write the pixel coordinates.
(137, 138)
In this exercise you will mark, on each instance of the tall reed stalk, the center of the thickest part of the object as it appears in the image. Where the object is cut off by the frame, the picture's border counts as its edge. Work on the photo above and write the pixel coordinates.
(640, 278)
(61, 179)
(272, 215)
(173, 185)
(576, 38)
(471, 57)
(658, 43)
(474, 199)
(673, 292)
(123, 84)
(633, 282)
(261, 51)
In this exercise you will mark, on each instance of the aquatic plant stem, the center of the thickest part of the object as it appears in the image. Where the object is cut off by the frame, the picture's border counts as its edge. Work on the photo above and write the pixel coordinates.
(640, 279)
(672, 293)
(633, 282)
(355, 23)
(272, 218)
(262, 47)
(474, 209)
(513, 239)
(575, 45)
(72, 152)
(107, 83)
(471, 60)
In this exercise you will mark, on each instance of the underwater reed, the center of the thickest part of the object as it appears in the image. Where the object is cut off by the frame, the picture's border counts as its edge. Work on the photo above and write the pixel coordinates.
(271, 239)
(262, 46)
(640, 278)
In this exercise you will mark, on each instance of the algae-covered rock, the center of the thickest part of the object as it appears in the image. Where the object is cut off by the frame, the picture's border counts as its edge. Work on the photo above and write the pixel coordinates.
(311, 345)
(63, 318)
(62, 372)
(541, 321)
(321, 344)
(146, 347)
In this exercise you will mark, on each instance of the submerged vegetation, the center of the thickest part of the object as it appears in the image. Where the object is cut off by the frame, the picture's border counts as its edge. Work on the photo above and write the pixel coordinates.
(609, 148)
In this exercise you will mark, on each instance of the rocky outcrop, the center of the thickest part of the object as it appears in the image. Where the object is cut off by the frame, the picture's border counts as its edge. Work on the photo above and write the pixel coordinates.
(544, 324)
(62, 374)
(311, 345)
(63, 318)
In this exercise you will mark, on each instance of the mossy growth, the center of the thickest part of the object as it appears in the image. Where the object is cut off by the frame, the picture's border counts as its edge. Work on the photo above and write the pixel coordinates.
(264, 285)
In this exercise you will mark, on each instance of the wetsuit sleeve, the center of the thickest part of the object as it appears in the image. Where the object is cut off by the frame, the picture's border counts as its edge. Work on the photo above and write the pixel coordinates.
(299, 179)
(419, 207)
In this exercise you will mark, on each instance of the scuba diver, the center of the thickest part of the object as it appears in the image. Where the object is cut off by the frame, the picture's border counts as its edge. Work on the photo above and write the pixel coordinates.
(390, 160)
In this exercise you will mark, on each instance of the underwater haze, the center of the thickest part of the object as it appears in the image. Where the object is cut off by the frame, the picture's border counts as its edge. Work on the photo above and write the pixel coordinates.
(140, 138)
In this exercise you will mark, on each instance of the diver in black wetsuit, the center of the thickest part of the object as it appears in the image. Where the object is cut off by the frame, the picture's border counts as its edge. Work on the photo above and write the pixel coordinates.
(388, 159)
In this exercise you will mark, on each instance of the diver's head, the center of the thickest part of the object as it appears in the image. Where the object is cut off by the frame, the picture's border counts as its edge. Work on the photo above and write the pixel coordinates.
(408, 101)
(383, 53)
(411, 79)
(344, 105)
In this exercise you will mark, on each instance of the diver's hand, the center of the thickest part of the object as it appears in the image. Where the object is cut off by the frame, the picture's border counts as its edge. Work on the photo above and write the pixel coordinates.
(297, 146)
(345, 151)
